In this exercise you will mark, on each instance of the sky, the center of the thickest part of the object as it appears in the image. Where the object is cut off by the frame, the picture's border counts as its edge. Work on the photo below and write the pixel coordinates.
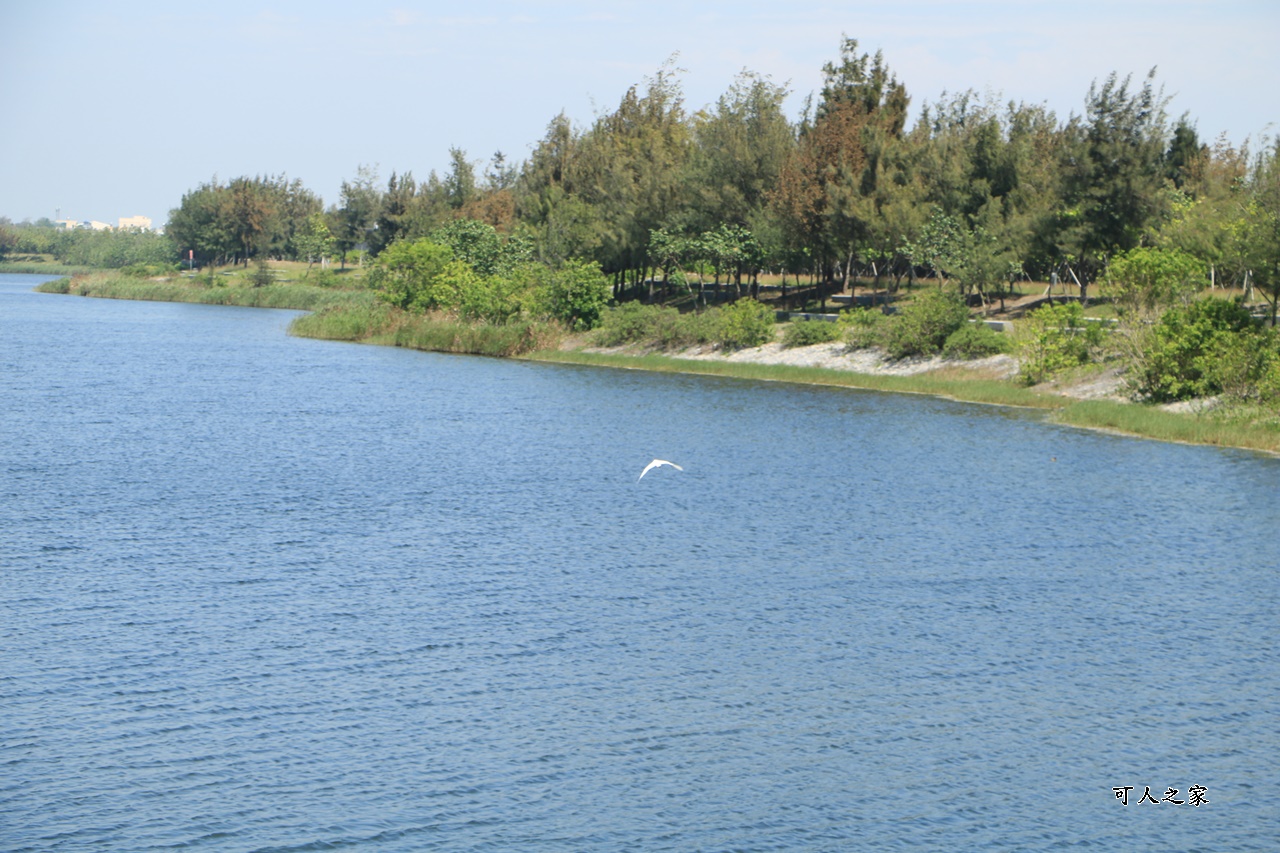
(114, 110)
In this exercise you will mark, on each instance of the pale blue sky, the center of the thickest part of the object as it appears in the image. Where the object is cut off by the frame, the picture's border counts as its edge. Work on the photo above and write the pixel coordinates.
(117, 109)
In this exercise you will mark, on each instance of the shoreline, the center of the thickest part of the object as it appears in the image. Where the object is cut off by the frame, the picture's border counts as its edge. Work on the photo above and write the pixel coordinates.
(1088, 401)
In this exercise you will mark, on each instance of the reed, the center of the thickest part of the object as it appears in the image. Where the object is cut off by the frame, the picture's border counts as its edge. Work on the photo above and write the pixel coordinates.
(442, 334)
(353, 322)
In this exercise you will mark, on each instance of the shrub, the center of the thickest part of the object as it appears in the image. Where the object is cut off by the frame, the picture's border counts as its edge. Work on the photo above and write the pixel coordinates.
(974, 340)
(923, 326)
(689, 329)
(745, 323)
(148, 270)
(1054, 339)
(261, 275)
(60, 285)
(326, 278)
(1244, 365)
(1202, 349)
(863, 328)
(575, 294)
(803, 333)
(667, 328)
(443, 334)
(405, 273)
(628, 323)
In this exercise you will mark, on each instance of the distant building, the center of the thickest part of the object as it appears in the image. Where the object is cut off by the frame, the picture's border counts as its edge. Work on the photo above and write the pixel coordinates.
(135, 223)
(126, 223)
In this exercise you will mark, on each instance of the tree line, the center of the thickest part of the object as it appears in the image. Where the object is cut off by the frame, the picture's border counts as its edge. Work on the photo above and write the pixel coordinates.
(976, 192)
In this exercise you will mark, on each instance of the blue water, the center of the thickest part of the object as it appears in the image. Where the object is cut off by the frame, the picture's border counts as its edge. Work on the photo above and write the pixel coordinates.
(266, 593)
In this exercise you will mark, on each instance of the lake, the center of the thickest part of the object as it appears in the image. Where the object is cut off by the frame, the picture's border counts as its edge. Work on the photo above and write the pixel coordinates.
(268, 593)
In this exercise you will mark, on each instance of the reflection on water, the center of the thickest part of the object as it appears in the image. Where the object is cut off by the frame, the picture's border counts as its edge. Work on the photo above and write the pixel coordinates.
(271, 593)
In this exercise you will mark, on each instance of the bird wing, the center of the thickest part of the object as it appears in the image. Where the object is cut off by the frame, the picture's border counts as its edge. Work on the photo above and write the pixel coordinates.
(656, 464)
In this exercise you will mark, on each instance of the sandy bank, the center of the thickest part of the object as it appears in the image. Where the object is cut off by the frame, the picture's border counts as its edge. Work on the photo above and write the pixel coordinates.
(1107, 385)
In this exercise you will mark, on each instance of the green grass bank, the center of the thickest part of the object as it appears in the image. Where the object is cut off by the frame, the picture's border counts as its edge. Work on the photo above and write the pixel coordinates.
(42, 268)
(302, 297)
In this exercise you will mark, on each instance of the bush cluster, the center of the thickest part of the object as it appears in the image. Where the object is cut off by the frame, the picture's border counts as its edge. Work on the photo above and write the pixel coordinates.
(745, 323)
(974, 340)
(863, 328)
(1056, 338)
(803, 333)
(421, 276)
(923, 326)
(1207, 348)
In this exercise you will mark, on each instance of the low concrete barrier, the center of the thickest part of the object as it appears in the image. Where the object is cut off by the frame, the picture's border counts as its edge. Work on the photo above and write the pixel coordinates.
(997, 325)
(784, 316)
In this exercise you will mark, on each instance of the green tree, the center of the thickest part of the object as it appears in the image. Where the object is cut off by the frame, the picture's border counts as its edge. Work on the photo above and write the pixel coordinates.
(1115, 172)
(1145, 280)
(8, 240)
(201, 224)
(1261, 228)
(1185, 159)
(477, 243)
(938, 246)
(115, 249)
(405, 274)
(827, 191)
(253, 216)
(739, 151)
(358, 211)
(575, 294)
(460, 183)
(314, 241)
(630, 169)
(395, 212)
(668, 251)
(295, 205)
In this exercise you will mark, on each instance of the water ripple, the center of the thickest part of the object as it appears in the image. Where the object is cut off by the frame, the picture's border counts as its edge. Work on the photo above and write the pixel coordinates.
(269, 594)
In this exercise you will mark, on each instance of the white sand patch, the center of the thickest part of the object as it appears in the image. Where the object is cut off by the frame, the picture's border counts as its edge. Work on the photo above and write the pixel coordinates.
(837, 356)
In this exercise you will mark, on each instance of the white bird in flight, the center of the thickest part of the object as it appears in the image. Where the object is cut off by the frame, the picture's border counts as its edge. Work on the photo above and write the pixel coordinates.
(657, 463)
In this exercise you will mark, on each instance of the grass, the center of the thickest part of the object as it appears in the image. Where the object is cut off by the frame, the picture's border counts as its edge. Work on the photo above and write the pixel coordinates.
(381, 324)
(438, 334)
(41, 268)
(297, 296)
(345, 322)
(1233, 428)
